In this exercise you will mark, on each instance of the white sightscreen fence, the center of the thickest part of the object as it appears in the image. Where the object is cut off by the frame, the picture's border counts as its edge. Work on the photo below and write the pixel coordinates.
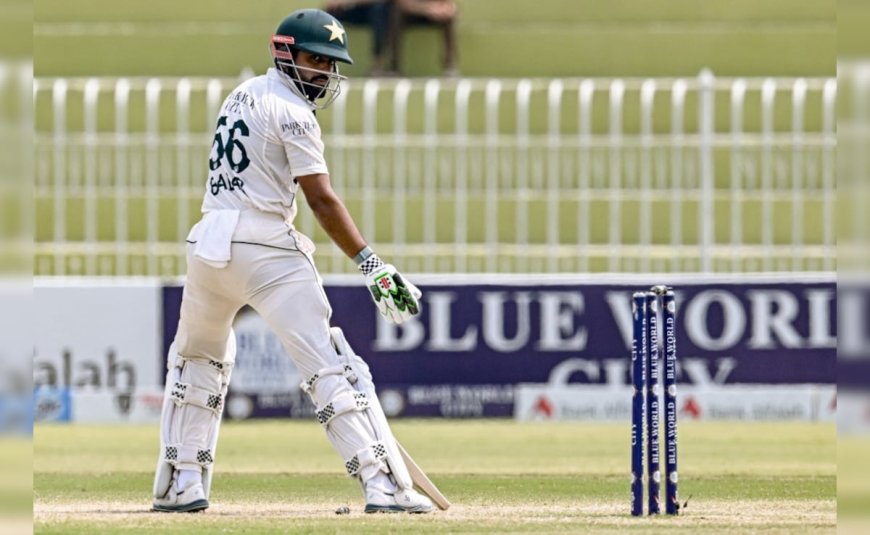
(697, 174)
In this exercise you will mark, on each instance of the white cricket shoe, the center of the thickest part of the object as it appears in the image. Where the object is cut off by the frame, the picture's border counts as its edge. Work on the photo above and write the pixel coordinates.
(188, 500)
(399, 501)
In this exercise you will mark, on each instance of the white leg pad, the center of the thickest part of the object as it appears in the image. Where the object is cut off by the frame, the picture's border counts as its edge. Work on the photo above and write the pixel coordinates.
(190, 422)
(341, 410)
(357, 373)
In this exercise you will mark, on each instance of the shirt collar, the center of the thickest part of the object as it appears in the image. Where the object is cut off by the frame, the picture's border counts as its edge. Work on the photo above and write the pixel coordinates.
(274, 74)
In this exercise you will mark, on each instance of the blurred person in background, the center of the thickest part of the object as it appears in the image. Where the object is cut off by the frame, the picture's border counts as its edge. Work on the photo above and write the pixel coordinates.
(377, 14)
(440, 13)
(267, 150)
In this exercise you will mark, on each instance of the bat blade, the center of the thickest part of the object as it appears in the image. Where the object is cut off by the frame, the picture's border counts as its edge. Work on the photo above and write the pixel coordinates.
(422, 481)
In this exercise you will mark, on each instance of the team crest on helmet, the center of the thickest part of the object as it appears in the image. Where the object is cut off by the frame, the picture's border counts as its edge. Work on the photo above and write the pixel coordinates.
(337, 32)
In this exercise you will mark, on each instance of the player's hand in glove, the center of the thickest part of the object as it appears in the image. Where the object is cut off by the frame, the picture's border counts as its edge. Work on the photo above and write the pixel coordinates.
(396, 298)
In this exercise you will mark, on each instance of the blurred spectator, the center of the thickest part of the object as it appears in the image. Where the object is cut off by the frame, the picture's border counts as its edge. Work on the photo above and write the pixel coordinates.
(374, 13)
(440, 13)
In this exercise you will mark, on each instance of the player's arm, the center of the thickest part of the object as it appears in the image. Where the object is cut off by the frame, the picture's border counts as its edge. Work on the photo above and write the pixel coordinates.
(397, 299)
(331, 213)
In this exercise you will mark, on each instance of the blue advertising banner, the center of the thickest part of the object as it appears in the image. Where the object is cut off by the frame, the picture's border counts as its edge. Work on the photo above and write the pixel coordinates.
(853, 337)
(477, 337)
(52, 404)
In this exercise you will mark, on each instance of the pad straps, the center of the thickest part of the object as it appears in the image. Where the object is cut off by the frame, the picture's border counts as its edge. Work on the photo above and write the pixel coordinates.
(181, 454)
(187, 393)
(338, 369)
(373, 454)
(182, 392)
(342, 403)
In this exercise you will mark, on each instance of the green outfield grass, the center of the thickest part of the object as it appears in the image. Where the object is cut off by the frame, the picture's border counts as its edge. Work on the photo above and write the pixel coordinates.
(502, 476)
(496, 37)
(853, 475)
(16, 456)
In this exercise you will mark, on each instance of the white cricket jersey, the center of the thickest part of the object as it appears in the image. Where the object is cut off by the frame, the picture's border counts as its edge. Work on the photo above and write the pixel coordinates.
(266, 136)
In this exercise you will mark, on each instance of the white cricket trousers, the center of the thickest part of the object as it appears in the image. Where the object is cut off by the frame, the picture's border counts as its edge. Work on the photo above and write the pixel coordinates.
(277, 280)
(269, 271)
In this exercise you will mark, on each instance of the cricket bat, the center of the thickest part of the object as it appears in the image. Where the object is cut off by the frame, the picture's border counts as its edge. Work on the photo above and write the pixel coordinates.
(422, 481)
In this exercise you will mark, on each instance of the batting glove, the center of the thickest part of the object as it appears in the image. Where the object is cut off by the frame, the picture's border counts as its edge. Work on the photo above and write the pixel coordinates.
(397, 299)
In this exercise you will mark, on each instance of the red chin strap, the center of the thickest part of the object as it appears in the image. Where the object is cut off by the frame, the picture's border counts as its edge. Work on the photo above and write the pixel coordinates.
(282, 40)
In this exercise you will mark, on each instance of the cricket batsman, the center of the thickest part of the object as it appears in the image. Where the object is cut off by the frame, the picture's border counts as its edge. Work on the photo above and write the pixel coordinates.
(267, 149)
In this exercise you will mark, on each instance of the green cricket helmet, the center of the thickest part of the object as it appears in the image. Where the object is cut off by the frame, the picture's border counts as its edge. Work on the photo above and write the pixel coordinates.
(315, 32)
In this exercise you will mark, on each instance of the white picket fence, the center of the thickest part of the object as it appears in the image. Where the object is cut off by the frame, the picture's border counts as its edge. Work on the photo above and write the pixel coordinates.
(697, 174)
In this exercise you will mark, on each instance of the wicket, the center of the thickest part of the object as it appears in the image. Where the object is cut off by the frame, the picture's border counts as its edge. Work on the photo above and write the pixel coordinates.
(645, 371)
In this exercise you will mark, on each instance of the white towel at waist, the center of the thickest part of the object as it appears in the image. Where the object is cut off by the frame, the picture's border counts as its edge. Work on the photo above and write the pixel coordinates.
(213, 236)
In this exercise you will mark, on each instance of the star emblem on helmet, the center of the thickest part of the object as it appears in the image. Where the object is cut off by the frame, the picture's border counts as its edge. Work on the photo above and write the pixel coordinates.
(337, 32)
